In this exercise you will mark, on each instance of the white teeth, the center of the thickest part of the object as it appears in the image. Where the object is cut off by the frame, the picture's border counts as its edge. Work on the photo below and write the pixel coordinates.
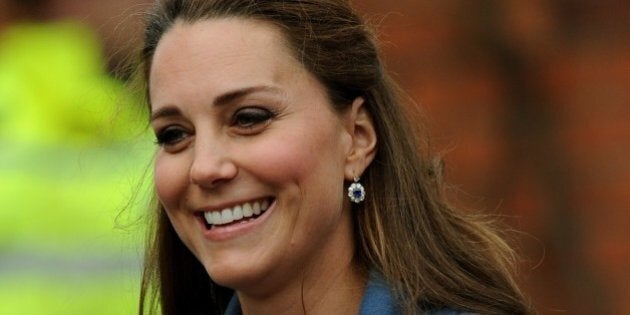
(256, 208)
(237, 213)
(216, 217)
(247, 210)
(213, 217)
(226, 216)
(229, 215)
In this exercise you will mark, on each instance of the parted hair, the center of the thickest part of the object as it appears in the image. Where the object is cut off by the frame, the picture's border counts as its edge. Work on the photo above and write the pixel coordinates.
(431, 255)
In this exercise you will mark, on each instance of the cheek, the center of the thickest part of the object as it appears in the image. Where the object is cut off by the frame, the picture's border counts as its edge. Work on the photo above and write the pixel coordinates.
(312, 162)
(308, 171)
(287, 158)
(170, 177)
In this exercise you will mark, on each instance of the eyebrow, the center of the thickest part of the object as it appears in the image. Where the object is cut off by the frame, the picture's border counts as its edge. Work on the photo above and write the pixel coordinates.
(223, 99)
(165, 112)
(234, 95)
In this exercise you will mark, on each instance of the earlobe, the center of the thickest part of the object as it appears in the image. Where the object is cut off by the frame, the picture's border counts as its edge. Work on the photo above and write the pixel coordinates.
(364, 140)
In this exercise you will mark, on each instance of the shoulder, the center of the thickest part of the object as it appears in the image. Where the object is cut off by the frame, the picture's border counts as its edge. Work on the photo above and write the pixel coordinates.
(378, 299)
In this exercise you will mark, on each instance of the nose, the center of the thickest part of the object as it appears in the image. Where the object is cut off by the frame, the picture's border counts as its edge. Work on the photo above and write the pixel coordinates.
(211, 166)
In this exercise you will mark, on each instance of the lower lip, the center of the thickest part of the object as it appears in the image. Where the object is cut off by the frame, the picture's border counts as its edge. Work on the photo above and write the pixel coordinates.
(235, 230)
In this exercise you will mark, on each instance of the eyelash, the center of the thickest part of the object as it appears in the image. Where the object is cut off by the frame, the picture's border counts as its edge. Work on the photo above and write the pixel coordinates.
(170, 135)
(246, 119)
(249, 118)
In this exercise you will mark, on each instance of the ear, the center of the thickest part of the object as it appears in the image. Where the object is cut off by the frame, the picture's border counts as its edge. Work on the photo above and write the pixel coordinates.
(361, 128)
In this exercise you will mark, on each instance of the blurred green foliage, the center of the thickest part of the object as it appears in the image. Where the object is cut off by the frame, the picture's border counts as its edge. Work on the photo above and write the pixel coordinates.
(53, 89)
(74, 164)
(37, 295)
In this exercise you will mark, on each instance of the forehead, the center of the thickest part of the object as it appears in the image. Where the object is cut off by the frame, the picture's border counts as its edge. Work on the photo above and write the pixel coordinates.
(220, 34)
(223, 54)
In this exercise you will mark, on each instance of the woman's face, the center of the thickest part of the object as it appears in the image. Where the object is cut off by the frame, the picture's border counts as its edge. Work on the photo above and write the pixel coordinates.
(251, 165)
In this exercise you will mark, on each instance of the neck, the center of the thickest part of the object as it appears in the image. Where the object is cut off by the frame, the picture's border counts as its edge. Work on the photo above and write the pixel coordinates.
(332, 284)
(337, 293)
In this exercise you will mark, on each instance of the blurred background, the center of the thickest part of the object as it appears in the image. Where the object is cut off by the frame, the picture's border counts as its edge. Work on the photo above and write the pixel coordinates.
(74, 151)
(528, 101)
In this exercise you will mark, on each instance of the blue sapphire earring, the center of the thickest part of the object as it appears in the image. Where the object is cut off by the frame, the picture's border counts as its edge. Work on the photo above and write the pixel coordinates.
(356, 191)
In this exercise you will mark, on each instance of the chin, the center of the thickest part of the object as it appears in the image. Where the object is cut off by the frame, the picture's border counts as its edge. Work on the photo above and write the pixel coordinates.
(234, 276)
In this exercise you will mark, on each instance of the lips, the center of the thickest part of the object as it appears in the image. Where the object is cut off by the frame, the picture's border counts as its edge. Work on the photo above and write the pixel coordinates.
(235, 214)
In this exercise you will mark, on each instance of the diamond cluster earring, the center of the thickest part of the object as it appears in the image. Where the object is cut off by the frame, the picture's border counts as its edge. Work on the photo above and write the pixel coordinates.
(356, 191)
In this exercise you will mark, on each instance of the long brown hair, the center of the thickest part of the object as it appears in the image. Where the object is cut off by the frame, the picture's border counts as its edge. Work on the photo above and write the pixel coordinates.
(431, 255)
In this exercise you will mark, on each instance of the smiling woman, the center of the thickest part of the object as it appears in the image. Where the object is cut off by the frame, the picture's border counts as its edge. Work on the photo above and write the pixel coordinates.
(265, 112)
(250, 129)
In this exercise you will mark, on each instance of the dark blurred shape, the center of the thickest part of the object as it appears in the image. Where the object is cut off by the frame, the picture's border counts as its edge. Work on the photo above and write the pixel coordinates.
(529, 99)
(117, 22)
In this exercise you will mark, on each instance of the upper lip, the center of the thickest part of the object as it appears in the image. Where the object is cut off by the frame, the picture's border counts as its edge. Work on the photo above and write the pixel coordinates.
(230, 204)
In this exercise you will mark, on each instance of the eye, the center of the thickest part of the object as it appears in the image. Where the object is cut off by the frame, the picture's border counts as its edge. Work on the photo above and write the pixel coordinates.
(170, 136)
(251, 117)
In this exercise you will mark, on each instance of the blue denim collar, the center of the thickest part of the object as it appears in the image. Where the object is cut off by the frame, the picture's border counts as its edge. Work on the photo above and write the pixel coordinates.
(234, 307)
(378, 298)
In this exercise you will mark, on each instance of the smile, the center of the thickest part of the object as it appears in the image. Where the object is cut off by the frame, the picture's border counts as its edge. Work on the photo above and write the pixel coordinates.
(239, 213)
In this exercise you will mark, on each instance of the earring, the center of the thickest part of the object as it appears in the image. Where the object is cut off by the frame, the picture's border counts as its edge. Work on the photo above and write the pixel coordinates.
(356, 191)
